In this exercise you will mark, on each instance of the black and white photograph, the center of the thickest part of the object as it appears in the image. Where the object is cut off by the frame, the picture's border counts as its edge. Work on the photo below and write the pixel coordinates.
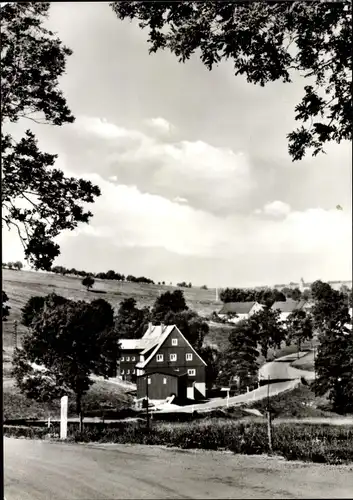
(176, 202)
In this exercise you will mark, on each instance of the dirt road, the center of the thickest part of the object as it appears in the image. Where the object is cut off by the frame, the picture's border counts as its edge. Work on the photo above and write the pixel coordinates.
(38, 470)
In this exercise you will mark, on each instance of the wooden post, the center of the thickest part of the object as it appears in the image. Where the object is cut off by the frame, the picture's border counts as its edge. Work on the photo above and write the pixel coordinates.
(63, 418)
(15, 334)
(269, 423)
(147, 413)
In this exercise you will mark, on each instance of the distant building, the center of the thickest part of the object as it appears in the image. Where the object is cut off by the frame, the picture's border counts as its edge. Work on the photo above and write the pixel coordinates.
(287, 307)
(237, 311)
(165, 358)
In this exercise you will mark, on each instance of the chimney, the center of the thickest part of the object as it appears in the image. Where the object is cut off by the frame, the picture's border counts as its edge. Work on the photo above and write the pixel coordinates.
(162, 327)
(149, 327)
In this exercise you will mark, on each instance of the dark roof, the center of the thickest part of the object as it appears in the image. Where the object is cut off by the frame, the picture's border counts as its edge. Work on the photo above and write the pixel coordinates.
(236, 307)
(289, 305)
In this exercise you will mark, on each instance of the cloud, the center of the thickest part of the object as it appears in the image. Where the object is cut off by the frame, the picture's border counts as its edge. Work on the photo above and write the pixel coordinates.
(179, 199)
(316, 243)
(214, 179)
(160, 125)
(130, 218)
(275, 208)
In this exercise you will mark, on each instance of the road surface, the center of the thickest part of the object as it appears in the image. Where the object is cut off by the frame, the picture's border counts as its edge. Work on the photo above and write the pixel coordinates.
(280, 369)
(39, 470)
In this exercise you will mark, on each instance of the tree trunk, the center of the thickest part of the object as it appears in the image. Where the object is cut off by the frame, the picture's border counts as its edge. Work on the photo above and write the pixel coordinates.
(79, 412)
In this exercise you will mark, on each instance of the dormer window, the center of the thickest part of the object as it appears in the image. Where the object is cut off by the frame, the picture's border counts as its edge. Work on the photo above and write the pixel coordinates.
(174, 342)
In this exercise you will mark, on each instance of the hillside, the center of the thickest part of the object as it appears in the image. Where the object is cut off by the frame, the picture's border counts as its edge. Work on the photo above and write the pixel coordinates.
(22, 285)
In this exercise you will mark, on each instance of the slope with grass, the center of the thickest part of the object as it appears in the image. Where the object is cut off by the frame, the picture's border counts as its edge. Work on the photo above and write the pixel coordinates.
(20, 286)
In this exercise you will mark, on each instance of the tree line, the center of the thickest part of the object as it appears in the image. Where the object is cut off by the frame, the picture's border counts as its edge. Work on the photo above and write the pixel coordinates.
(13, 265)
(109, 275)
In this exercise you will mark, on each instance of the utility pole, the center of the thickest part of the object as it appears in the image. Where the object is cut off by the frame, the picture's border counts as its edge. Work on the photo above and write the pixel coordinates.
(15, 334)
(147, 413)
(269, 423)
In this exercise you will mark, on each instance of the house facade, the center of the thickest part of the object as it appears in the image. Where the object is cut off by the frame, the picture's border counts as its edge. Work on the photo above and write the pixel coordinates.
(168, 359)
(172, 353)
(160, 384)
(234, 312)
(129, 355)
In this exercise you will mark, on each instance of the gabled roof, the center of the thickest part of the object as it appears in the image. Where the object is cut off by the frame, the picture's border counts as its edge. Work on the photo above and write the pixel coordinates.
(237, 307)
(289, 305)
(157, 342)
(151, 338)
(130, 344)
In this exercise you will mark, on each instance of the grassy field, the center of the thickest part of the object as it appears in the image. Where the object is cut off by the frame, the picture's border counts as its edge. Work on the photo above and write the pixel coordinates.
(305, 363)
(22, 285)
(101, 395)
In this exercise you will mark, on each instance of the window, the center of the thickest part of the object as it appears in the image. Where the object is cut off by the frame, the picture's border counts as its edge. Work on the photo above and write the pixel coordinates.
(189, 356)
(122, 372)
(133, 371)
(192, 372)
(174, 341)
(148, 380)
(159, 357)
(128, 372)
(133, 358)
(127, 358)
(122, 358)
(164, 380)
(172, 357)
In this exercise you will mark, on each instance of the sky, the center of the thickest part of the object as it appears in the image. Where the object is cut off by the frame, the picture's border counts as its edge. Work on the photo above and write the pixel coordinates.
(197, 183)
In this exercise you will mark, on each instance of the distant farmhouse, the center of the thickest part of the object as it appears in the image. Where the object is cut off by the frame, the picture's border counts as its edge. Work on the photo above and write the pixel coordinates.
(237, 311)
(287, 307)
(164, 360)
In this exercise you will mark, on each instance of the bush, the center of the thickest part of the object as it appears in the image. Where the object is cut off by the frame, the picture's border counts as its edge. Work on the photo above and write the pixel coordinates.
(22, 431)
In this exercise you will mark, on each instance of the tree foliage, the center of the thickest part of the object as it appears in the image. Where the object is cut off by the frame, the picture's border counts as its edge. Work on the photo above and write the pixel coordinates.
(70, 341)
(266, 296)
(334, 360)
(299, 327)
(5, 309)
(266, 42)
(88, 282)
(239, 361)
(268, 329)
(131, 322)
(38, 201)
(168, 302)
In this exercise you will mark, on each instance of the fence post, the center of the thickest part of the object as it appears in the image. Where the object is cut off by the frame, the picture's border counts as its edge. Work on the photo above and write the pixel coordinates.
(15, 334)
(269, 423)
(63, 418)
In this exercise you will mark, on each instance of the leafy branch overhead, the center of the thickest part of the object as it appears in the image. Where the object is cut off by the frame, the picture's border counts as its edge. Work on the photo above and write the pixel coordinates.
(38, 201)
(266, 42)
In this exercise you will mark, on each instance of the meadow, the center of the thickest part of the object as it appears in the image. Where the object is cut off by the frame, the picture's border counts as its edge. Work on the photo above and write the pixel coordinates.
(20, 286)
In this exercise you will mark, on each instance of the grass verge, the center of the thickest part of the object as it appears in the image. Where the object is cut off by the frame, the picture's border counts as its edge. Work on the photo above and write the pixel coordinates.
(311, 443)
